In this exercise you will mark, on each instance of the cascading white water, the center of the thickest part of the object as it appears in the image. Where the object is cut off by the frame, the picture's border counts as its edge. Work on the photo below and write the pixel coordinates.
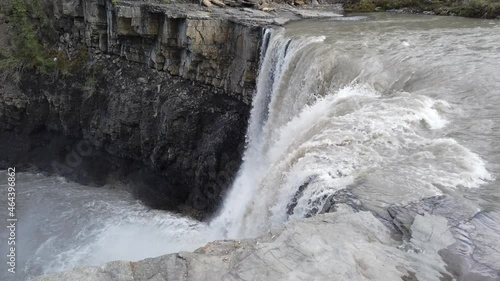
(276, 55)
(319, 125)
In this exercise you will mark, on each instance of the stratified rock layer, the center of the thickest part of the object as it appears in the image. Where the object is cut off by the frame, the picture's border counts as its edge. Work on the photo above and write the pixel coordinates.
(216, 46)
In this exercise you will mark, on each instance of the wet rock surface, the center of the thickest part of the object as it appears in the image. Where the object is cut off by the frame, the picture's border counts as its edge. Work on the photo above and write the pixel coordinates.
(473, 255)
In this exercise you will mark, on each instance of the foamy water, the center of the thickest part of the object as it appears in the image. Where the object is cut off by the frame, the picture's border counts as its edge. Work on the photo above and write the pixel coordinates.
(63, 225)
(314, 127)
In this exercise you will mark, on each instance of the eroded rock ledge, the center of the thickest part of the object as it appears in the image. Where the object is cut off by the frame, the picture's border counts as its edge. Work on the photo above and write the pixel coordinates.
(216, 46)
(194, 45)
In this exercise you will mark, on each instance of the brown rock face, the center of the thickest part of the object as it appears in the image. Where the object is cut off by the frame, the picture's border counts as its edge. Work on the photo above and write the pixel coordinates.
(182, 40)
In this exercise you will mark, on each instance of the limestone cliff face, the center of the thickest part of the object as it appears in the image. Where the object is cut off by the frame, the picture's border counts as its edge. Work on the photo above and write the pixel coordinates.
(182, 40)
(165, 112)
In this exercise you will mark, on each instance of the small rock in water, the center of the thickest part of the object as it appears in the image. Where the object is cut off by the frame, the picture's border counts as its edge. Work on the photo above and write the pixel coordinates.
(142, 80)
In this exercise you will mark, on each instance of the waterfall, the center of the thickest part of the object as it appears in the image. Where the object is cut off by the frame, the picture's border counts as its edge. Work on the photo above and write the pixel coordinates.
(277, 52)
(321, 123)
(353, 114)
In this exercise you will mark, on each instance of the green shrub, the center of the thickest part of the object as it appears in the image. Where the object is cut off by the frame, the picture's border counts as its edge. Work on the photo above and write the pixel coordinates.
(10, 67)
(26, 51)
(28, 21)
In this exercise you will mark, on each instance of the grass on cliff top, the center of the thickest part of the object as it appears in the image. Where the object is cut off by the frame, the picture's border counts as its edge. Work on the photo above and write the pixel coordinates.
(28, 24)
(467, 8)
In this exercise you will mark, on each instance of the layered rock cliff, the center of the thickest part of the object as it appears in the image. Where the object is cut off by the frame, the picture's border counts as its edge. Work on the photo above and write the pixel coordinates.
(171, 140)
(192, 44)
(160, 103)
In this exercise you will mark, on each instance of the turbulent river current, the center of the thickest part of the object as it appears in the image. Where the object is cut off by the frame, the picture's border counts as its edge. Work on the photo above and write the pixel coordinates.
(377, 110)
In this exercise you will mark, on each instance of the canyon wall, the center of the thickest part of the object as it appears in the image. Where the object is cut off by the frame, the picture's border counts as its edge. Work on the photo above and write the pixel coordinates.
(160, 104)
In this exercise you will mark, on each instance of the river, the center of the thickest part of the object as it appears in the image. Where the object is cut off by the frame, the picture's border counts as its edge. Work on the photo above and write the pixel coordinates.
(392, 108)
